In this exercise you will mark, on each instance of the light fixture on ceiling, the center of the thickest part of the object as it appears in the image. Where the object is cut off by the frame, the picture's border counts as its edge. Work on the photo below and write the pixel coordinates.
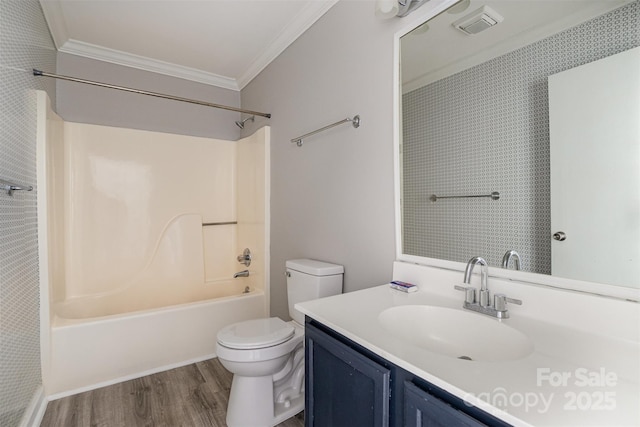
(389, 8)
(478, 21)
(386, 9)
(408, 6)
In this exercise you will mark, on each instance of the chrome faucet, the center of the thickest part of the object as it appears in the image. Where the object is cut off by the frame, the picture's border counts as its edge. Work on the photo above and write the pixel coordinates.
(484, 273)
(508, 256)
(243, 273)
(499, 307)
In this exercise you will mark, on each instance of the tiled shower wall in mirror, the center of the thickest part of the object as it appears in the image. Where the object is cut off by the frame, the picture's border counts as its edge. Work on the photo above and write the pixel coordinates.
(25, 43)
(487, 129)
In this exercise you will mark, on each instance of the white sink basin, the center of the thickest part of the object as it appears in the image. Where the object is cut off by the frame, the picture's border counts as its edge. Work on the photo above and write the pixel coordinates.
(456, 333)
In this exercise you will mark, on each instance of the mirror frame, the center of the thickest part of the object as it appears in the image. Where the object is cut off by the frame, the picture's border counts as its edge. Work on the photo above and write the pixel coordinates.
(414, 20)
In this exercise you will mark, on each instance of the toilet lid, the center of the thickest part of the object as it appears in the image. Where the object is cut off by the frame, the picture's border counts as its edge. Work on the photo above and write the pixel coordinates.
(255, 333)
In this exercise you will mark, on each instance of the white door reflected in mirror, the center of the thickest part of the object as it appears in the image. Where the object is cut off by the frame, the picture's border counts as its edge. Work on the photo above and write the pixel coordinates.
(595, 170)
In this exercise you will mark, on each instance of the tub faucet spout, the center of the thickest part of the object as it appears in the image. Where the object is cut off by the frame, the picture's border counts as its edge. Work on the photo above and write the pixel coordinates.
(243, 273)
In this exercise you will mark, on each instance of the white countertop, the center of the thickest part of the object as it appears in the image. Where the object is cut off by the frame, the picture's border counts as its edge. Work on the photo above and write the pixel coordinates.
(601, 370)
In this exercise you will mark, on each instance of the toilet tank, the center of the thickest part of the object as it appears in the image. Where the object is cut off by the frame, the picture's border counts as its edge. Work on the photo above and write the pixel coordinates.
(309, 279)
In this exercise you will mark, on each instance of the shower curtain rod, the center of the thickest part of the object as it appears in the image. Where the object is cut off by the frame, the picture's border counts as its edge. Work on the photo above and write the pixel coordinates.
(144, 92)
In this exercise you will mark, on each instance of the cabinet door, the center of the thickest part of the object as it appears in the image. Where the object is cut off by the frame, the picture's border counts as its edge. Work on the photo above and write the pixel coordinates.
(422, 409)
(343, 387)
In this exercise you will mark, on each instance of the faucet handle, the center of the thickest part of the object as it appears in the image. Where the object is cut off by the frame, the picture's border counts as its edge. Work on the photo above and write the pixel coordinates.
(484, 298)
(500, 302)
(245, 257)
(469, 293)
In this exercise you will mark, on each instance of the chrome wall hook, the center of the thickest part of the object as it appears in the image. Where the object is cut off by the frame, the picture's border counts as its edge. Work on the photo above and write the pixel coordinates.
(10, 187)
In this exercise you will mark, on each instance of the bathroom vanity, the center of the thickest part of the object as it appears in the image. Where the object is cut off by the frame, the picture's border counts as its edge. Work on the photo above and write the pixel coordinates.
(384, 394)
(381, 357)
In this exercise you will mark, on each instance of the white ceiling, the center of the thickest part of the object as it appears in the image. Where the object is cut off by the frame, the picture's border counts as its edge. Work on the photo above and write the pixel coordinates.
(225, 43)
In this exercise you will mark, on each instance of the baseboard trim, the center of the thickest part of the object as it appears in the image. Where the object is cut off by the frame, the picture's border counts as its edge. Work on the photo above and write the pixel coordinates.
(35, 411)
(129, 377)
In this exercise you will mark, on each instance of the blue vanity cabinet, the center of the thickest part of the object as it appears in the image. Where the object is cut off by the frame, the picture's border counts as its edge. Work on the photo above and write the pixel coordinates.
(348, 385)
(343, 387)
(422, 409)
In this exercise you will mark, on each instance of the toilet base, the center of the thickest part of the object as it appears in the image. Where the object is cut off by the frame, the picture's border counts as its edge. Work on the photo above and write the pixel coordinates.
(262, 412)
(283, 413)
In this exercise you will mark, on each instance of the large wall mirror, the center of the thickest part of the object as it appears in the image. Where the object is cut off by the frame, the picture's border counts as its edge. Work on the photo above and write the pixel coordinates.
(520, 131)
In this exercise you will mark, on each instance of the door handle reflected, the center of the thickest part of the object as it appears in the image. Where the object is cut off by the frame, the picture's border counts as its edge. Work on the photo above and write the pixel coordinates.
(559, 236)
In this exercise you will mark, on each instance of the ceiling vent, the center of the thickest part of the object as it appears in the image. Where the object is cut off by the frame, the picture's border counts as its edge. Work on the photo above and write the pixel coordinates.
(478, 20)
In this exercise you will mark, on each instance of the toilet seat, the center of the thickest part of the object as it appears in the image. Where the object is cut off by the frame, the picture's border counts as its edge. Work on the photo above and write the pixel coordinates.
(255, 334)
(263, 353)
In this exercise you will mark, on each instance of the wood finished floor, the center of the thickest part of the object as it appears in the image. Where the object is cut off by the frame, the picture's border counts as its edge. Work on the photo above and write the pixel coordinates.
(194, 395)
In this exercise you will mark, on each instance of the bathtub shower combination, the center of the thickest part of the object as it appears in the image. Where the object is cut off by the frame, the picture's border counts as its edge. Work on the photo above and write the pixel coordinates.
(140, 234)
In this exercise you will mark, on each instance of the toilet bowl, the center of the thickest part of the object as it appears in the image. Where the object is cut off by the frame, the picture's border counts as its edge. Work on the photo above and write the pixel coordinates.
(254, 400)
(266, 356)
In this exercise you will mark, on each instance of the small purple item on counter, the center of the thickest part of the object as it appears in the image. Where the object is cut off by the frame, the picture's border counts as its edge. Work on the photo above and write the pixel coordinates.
(403, 286)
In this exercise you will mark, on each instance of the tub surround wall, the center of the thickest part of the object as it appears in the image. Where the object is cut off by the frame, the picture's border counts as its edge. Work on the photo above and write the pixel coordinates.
(50, 171)
(51, 203)
(253, 187)
(135, 202)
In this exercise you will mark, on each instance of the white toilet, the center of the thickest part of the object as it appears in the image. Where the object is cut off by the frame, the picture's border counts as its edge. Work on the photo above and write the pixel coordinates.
(266, 356)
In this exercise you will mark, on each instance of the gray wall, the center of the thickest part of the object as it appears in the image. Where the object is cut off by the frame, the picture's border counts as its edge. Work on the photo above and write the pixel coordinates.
(24, 43)
(487, 129)
(96, 105)
(332, 199)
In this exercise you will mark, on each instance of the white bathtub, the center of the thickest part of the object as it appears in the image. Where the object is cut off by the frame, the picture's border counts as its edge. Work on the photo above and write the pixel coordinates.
(90, 352)
(147, 296)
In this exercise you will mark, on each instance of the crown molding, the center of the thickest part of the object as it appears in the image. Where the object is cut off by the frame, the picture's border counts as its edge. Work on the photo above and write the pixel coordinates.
(302, 22)
(54, 16)
(87, 50)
